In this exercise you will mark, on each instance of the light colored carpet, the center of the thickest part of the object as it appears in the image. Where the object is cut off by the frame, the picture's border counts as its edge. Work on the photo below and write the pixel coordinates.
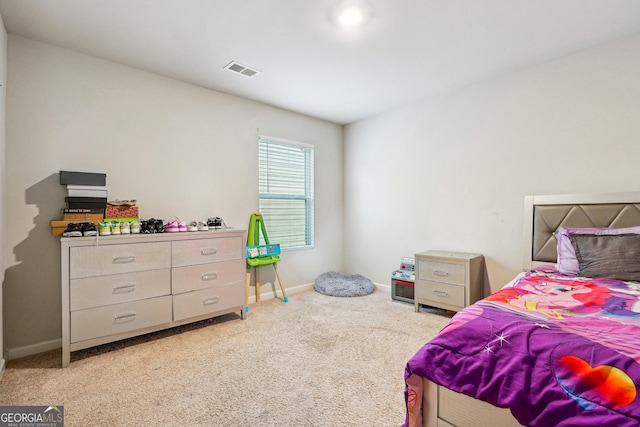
(314, 361)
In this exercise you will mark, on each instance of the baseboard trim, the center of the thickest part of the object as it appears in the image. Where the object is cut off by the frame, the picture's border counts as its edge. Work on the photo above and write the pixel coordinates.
(383, 288)
(305, 287)
(278, 293)
(29, 350)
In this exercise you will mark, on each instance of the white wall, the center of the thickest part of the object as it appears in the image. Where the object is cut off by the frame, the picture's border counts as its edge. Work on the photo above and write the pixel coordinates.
(3, 97)
(452, 173)
(449, 173)
(180, 150)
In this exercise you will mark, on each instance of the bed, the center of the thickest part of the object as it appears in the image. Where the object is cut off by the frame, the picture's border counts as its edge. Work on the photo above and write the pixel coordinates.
(559, 345)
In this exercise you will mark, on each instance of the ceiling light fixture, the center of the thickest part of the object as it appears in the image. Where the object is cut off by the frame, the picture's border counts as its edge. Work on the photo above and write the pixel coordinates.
(351, 14)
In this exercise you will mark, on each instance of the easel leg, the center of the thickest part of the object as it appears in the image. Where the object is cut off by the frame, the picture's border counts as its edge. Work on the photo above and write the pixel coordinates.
(247, 285)
(257, 284)
(284, 294)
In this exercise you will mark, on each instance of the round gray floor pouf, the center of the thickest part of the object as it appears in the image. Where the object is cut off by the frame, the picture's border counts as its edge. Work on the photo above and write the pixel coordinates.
(340, 285)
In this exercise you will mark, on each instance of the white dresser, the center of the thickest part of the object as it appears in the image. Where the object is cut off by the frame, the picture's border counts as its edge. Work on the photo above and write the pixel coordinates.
(117, 287)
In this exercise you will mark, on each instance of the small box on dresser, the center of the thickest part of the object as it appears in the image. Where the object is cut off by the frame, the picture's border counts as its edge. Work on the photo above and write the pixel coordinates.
(448, 280)
(122, 212)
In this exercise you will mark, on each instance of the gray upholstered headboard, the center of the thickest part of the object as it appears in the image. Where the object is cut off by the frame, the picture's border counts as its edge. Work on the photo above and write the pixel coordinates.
(543, 215)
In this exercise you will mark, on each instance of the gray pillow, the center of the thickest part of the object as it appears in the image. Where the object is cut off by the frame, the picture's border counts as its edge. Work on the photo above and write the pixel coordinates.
(614, 256)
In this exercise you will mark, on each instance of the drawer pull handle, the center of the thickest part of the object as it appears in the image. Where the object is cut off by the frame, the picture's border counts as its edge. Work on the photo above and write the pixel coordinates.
(125, 318)
(124, 289)
(441, 273)
(124, 259)
(209, 276)
(440, 293)
(209, 251)
(209, 301)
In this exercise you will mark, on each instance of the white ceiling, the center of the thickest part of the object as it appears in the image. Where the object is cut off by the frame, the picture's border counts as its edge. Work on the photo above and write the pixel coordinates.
(408, 50)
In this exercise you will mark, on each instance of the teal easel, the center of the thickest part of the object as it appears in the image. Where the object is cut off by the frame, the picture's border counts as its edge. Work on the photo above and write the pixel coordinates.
(258, 255)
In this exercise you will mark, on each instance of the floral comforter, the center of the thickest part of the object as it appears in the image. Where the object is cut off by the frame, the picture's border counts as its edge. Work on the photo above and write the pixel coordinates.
(557, 350)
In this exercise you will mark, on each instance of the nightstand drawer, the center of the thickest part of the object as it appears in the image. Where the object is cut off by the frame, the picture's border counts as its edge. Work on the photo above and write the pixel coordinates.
(442, 272)
(440, 293)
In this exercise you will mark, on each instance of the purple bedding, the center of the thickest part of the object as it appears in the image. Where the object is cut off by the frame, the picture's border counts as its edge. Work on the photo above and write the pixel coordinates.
(558, 350)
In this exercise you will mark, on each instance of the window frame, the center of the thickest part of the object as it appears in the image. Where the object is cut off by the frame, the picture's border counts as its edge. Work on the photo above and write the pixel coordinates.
(307, 197)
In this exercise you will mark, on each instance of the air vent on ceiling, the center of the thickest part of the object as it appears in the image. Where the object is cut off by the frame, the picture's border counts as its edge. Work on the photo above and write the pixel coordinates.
(241, 69)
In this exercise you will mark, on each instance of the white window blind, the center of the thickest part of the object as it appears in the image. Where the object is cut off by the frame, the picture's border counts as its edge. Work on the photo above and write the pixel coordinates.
(286, 191)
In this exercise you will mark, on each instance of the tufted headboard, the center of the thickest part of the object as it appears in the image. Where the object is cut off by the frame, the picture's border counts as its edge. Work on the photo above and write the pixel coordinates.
(543, 215)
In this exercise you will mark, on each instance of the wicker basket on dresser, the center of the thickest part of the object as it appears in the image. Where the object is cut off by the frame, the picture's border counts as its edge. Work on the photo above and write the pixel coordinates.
(117, 287)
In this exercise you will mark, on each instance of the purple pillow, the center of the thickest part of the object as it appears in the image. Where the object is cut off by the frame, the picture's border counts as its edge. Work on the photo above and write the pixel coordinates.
(567, 260)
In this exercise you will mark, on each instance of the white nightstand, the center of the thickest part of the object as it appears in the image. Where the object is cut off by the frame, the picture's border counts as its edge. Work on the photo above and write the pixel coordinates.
(449, 280)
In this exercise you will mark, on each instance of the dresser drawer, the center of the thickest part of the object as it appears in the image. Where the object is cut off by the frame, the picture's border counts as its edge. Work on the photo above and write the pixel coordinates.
(194, 277)
(439, 293)
(118, 318)
(203, 251)
(210, 300)
(117, 288)
(442, 272)
(91, 261)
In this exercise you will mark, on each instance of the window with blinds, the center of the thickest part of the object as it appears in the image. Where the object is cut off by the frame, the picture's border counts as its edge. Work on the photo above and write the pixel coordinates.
(286, 191)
